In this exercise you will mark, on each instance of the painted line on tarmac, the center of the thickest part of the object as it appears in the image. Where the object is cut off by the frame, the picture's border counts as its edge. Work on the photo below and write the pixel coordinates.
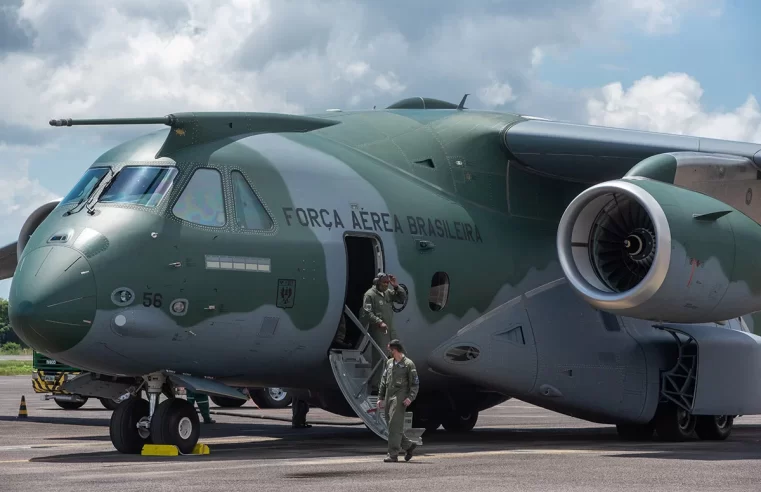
(197, 467)
(22, 447)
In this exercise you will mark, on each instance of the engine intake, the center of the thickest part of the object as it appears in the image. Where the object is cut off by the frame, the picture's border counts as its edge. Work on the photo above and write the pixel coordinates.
(647, 249)
(614, 244)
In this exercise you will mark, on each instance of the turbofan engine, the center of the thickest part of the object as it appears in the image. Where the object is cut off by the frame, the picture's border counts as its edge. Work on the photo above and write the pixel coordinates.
(648, 249)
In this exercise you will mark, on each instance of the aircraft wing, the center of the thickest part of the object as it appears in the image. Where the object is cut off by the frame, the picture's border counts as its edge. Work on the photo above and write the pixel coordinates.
(7, 261)
(592, 154)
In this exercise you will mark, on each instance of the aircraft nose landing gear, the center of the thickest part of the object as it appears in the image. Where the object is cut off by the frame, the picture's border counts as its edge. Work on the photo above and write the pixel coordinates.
(137, 422)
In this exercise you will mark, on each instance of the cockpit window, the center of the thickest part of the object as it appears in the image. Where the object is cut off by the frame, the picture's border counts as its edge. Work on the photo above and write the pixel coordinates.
(249, 211)
(85, 185)
(139, 185)
(202, 201)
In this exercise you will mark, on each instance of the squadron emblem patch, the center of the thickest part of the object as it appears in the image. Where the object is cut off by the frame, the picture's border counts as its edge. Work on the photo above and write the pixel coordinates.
(286, 293)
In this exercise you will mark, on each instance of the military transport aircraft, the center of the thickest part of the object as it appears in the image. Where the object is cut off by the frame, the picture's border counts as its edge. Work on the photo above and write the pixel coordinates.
(601, 273)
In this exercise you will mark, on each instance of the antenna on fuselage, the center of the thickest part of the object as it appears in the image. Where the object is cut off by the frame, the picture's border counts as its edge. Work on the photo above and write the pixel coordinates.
(461, 106)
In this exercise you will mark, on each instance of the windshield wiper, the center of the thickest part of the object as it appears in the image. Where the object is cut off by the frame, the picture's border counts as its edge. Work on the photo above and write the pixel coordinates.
(108, 180)
(84, 200)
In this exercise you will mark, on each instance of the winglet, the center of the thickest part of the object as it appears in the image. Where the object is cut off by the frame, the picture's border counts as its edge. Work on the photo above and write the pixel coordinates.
(461, 106)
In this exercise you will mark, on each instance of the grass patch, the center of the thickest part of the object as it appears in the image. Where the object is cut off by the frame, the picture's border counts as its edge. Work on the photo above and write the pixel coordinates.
(15, 367)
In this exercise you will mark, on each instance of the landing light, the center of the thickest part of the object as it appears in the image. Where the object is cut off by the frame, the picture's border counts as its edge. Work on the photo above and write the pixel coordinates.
(179, 307)
(122, 296)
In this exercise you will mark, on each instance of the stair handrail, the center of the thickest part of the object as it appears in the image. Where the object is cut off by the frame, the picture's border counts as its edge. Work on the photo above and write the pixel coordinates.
(354, 320)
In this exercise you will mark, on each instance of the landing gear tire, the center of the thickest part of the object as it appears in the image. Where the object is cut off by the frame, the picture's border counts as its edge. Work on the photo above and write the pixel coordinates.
(270, 397)
(673, 423)
(635, 432)
(71, 405)
(175, 422)
(714, 427)
(108, 403)
(223, 402)
(461, 423)
(125, 436)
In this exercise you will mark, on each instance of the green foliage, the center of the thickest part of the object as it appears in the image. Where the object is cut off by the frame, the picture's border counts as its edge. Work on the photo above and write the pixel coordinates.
(6, 332)
(10, 348)
(15, 367)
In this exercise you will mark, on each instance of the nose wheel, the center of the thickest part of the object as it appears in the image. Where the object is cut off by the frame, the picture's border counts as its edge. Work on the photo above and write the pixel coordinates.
(126, 435)
(137, 422)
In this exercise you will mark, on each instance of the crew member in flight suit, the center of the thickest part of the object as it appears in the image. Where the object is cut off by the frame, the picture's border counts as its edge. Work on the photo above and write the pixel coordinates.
(202, 400)
(378, 315)
(398, 388)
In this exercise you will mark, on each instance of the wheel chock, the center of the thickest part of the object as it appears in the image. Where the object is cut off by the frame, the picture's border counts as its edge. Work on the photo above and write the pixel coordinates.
(160, 450)
(200, 449)
(172, 450)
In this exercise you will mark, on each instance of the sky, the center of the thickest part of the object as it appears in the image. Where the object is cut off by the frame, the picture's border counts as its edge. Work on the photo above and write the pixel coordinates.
(677, 66)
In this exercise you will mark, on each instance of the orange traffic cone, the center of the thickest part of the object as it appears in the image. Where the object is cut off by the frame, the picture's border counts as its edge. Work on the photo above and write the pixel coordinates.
(22, 409)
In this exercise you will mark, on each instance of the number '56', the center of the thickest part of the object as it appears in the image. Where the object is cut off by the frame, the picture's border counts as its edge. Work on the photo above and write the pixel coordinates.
(154, 299)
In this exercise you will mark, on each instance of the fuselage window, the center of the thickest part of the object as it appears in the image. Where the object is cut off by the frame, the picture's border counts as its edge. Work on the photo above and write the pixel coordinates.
(249, 211)
(139, 185)
(439, 294)
(202, 201)
(85, 185)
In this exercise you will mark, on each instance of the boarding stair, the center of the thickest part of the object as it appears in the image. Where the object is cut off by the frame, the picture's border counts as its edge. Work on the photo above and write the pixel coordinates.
(354, 374)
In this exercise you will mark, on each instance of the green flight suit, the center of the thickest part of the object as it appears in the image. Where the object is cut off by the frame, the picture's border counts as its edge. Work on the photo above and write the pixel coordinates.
(377, 308)
(399, 382)
(202, 400)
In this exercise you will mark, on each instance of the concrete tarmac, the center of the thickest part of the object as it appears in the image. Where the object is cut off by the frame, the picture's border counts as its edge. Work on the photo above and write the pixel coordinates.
(16, 357)
(515, 446)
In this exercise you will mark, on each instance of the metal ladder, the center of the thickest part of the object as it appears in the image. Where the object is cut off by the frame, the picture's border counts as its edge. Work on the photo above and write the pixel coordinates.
(353, 374)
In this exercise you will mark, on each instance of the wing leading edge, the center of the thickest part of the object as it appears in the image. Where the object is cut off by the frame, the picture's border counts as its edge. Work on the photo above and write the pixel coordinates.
(593, 154)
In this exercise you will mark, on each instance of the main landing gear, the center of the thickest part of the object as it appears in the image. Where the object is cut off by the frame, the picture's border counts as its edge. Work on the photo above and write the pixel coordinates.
(456, 420)
(675, 424)
(137, 422)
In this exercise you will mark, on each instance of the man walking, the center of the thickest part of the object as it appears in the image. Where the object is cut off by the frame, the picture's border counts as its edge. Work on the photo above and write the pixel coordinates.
(378, 314)
(398, 388)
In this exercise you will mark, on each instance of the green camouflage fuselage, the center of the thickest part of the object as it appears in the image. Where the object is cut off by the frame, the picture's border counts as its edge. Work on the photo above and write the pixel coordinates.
(362, 176)
(437, 188)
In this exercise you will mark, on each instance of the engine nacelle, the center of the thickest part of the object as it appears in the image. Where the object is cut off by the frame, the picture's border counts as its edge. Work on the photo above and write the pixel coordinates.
(10, 254)
(651, 250)
(32, 223)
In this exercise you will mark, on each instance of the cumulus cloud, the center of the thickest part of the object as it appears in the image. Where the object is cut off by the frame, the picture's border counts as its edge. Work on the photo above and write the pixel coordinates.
(672, 104)
(21, 194)
(496, 94)
(662, 16)
(136, 57)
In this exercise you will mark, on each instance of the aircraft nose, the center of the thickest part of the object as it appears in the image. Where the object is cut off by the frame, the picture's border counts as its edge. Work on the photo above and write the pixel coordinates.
(52, 300)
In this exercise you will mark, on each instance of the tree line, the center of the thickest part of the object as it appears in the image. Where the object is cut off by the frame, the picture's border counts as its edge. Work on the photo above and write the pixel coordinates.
(9, 341)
